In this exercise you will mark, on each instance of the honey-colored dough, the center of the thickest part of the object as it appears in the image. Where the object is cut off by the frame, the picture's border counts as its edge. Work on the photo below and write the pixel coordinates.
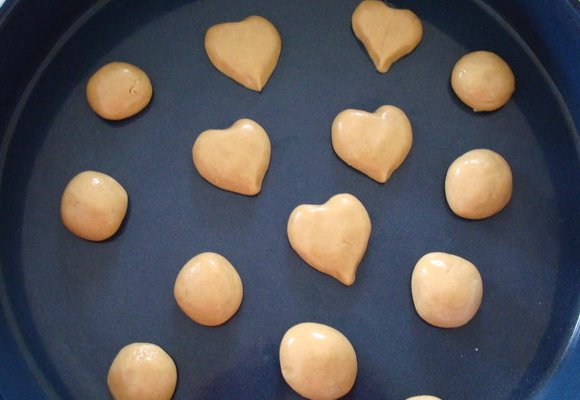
(142, 371)
(234, 159)
(423, 397)
(208, 289)
(374, 143)
(318, 361)
(246, 51)
(119, 90)
(478, 184)
(93, 205)
(388, 34)
(483, 81)
(447, 290)
(331, 237)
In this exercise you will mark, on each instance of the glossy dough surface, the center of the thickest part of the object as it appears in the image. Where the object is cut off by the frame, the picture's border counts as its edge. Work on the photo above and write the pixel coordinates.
(478, 184)
(446, 289)
(93, 205)
(208, 289)
(246, 51)
(119, 90)
(142, 371)
(331, 237)
(318, 361)
(374, 143)
(234, 159)
(387, 33)
(483, 81)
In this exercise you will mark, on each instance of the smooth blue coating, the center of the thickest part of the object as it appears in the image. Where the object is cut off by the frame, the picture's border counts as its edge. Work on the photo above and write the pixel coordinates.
(69, 305)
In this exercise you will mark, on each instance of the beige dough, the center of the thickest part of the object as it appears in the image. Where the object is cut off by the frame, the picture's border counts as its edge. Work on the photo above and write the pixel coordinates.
(93, 205)
(478, 184)
(142, 371)
(374, 143)
(446, 289)
(388, 34)
(331, 237)
(423, 397)
(483, 81)
(208, 289)
(119, 90)
(234, 159)
(246, 51)
(318, 361)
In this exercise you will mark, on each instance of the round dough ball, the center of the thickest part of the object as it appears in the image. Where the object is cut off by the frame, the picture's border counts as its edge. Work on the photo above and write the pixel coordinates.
(483, 81)
(208, 289)
(318, 361)
(119, 90)
(93, 205)
(142, 371)
(478, 184)
(446, 289)
(423, 397)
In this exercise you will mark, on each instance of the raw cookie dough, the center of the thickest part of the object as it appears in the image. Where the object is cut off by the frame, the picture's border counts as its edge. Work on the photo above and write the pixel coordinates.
(388, 34)
(246, 51)
(234, 159)
(446, 289)
(478, 184)
(208, 289)
(93, 205)
(318, 361)
(483, 81)
(423, 397)
(374, 143)
(331, 237)
(119, 90)
(142, 371)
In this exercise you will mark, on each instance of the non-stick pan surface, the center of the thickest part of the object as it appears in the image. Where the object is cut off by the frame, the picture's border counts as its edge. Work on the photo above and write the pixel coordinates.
(68, 305)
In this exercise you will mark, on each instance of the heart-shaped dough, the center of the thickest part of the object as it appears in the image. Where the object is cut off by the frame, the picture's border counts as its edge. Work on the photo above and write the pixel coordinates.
(246, 51)
(387, 33)
(374, 143)
(234, 159)
(331, 237)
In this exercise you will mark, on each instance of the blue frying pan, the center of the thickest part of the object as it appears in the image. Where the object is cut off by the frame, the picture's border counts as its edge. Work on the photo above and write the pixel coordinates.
(69, 305)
